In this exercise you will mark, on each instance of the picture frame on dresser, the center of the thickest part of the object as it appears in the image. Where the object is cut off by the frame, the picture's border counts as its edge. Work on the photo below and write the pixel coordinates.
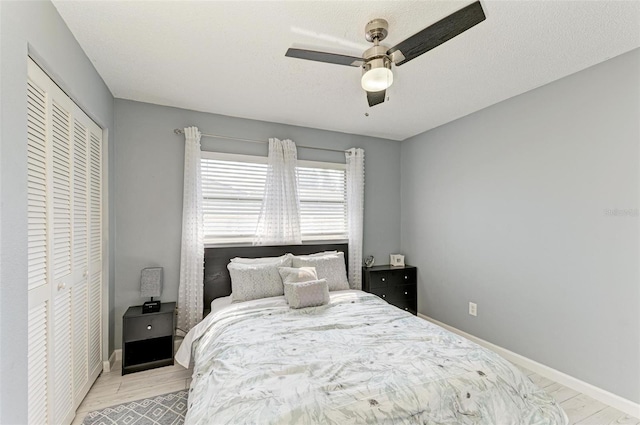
(396, 260)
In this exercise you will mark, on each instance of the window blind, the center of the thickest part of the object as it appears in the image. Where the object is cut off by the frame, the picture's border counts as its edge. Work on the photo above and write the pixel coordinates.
(233, 189)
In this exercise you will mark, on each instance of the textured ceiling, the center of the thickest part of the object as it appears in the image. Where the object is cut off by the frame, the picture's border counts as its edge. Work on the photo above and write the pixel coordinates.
(228, 57)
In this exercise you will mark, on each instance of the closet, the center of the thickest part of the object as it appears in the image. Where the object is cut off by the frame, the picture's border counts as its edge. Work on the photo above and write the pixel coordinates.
(65, 243)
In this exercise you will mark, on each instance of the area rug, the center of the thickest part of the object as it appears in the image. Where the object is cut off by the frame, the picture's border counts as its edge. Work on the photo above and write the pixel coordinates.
(165, 409)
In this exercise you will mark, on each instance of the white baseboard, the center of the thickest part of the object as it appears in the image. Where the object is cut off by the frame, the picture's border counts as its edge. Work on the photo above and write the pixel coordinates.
(107, 365)
(627, 406)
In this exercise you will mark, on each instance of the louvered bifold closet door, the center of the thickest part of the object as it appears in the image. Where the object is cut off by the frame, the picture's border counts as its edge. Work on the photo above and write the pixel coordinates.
(95, 250)
(60, 244)
(38, 288)
(87, 253)
(80, 263)
(63, 313)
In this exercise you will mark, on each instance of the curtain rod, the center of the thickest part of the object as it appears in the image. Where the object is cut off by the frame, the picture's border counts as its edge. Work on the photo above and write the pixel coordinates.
(178, 131)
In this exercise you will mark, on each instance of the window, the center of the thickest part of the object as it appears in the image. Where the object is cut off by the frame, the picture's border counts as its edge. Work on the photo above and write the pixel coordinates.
(233, 187)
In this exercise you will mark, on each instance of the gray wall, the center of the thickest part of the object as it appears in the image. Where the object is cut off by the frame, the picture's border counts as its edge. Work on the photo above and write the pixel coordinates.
(35, 27)
(149, 174)
(508, 208)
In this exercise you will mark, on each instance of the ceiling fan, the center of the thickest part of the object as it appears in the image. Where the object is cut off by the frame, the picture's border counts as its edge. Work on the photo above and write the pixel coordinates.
(376, 61)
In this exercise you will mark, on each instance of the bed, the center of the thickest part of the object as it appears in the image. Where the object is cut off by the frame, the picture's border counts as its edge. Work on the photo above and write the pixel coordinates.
(355, 360)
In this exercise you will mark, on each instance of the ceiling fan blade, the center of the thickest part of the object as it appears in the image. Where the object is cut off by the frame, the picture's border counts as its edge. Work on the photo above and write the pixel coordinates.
(325, 57)
(375, 97)
(436, 34)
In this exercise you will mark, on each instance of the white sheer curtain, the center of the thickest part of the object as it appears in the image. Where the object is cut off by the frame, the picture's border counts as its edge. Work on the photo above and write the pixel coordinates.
(355, 213)
(192, 250)
(279, 221)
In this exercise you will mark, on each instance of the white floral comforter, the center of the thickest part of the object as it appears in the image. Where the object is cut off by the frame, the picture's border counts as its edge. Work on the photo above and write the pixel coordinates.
(357, 360)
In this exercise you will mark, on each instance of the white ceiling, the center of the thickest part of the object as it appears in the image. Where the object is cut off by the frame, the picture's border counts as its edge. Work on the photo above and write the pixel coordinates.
(228, 57)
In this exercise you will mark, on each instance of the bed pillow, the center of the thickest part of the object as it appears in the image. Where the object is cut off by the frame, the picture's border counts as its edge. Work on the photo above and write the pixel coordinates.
(320, 254)
(286, 258)
(307, 294)
(220, 303)
(329, 266)
(300, 274)
(254, 281)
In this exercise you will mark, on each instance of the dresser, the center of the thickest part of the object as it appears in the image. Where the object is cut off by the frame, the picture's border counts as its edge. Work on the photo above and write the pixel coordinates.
(396, 285)
(147, 338)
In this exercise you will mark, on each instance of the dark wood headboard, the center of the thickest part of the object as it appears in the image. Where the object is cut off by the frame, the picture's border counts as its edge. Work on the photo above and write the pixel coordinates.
(217, 282)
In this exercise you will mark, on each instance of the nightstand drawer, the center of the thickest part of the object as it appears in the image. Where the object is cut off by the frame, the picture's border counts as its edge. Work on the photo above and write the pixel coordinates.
(147, 326)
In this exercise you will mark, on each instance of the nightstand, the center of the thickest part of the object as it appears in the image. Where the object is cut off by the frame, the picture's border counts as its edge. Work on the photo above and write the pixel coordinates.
(396, 285)
(147, 339)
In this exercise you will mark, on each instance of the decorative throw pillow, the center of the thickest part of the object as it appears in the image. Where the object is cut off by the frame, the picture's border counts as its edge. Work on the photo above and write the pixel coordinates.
(286, 258)
(295, 275)
(307, 294)
(330, 267)
(254, 281)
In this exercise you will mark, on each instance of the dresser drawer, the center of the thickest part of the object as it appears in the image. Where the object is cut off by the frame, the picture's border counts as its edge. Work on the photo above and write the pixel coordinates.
(395, 292)
(410, 305)
(147, 326)
(381, 292)
(378, 280)
(402, 292)
(399, 277)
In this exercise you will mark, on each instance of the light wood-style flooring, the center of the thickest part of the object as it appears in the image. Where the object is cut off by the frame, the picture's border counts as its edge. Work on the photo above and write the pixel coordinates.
(581, 409)
(112, 388)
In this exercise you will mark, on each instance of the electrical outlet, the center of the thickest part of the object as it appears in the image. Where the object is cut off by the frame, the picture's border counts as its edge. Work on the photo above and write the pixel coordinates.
(473, 309)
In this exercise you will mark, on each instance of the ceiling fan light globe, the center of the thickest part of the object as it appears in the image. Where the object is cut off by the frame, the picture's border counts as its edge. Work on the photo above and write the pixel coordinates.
(377, 79)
